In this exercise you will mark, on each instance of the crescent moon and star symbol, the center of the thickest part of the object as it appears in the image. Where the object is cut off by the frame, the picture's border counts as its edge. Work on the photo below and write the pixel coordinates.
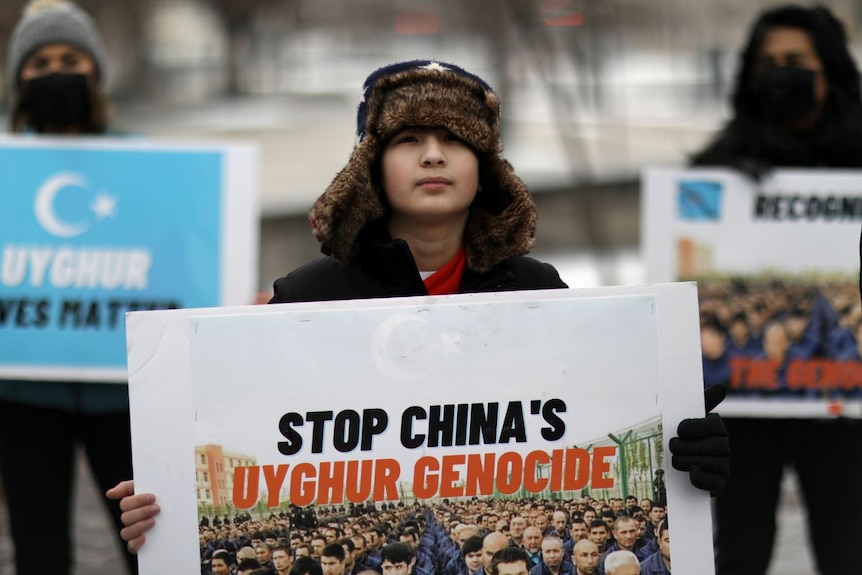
(103, 206)
(405, 348)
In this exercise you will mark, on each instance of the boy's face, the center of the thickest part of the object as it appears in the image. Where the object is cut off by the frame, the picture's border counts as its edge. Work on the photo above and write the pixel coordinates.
(429, 177)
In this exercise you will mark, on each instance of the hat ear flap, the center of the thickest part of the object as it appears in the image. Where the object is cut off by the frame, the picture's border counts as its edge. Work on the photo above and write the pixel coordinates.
(349, 204)
(502, 219)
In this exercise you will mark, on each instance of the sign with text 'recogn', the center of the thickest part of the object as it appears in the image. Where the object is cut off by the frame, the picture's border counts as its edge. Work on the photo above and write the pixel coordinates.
(777, 267)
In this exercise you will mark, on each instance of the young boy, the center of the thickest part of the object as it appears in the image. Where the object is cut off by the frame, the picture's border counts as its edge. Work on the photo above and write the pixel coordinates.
(426, 205)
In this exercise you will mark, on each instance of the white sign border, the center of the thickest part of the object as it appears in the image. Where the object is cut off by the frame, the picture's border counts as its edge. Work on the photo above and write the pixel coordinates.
(161, 392)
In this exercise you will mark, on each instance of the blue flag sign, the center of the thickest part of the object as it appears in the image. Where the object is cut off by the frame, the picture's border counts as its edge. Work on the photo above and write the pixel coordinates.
(699, 200)
(88, 234)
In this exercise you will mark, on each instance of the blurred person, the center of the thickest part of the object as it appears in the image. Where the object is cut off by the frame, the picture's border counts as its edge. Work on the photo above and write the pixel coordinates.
(642, 526)
(306, 566)
(281, 560)
(552, 558)
(516, 530)
(796, 103)
(714, 356)
(804, 340)
(542, 523)
(221, 563)
(246, 553)
(361, 560)
(621, 563)
(471, 553)
(600, 534)
(332, 559)
(626, 538)
(263, 554)
(509, 561)
(646, 505)
(427, 205)
(491, 543)
(397, 559)
(776, 342)
(756, 317)
(455, 561)
(608, 517)
(559, 520)
(246, 566)
(409, 537)
(585, 556)
(330, 535)
(56, 69)
(577, 530)
(349, 549)
(739, 342)
(533, 545)
(317, 545)
(657, 514)
(659, 562)
(659, 488)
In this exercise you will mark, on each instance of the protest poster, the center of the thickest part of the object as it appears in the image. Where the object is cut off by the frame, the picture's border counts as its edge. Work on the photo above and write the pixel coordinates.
(777, 267)
(92, 228)
(414, 403)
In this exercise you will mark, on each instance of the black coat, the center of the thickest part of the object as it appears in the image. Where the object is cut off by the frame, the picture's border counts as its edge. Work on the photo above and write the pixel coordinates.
(386, 268)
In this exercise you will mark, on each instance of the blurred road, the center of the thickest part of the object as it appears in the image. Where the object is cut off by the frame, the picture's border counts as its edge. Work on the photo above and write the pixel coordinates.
(98, 553)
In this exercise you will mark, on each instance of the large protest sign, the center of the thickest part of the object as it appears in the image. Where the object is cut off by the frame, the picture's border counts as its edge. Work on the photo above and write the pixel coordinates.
(499, 397)
(93, 228)
(777, 267)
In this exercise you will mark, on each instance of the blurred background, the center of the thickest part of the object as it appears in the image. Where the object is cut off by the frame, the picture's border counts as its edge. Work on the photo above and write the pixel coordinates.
(592, 91)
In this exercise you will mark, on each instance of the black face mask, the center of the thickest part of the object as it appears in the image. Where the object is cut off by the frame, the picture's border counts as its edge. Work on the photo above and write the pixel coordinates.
(785, 94)
(57, 101)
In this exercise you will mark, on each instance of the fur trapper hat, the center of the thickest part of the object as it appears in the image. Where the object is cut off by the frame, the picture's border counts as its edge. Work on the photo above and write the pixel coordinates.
(428, 94)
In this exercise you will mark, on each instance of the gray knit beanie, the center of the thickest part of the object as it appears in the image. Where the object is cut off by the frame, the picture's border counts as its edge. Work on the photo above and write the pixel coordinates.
(52, 22)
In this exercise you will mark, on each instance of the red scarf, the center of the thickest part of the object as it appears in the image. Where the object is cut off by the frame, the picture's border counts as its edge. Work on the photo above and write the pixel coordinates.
(447, 279)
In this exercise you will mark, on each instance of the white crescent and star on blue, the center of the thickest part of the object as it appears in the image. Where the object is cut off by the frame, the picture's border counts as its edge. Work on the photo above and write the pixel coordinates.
(103, 205)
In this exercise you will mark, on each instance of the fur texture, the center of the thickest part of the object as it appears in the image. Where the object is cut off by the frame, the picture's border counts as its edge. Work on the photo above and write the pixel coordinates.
(502, 218)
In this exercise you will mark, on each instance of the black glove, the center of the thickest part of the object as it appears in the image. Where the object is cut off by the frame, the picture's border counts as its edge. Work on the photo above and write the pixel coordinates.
(702, 447)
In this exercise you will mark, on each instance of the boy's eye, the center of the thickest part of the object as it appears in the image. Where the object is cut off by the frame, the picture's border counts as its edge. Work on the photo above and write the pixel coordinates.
(405, 138)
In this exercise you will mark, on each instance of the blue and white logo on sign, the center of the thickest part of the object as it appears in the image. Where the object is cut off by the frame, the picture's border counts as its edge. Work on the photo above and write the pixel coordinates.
(102, 206)
(699, 200)
(88, 234)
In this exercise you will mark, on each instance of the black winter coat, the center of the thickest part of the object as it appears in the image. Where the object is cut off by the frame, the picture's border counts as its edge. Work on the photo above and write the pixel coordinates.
(387, 269)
